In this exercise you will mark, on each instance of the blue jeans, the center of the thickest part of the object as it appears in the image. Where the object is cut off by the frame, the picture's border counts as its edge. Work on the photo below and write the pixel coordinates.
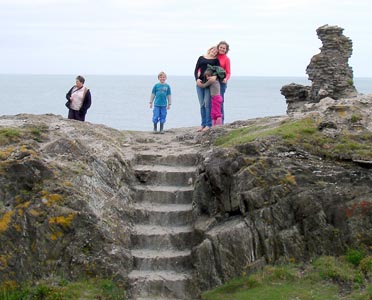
(204, 97)
(159, 114)
(223, 87)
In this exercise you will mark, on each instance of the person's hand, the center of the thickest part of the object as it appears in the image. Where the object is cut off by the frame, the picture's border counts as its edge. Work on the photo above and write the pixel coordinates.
(168, 106)
(150, 104)
(199, 83)
(224, 80)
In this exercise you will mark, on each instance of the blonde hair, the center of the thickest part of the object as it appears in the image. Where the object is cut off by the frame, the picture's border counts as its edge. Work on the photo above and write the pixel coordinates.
(162, 73)
(211, 48)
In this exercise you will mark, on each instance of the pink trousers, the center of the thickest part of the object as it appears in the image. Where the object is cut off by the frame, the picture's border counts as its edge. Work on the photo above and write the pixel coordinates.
(216, 113)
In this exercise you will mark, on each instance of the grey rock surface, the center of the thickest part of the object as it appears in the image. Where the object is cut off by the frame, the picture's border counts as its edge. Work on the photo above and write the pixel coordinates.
(329, 72)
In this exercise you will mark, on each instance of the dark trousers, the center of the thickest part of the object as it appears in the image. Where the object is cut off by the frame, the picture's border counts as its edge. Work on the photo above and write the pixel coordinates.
(76, 115)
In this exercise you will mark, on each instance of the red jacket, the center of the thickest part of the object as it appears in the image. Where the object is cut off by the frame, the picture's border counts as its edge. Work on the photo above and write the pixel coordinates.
(225, 63)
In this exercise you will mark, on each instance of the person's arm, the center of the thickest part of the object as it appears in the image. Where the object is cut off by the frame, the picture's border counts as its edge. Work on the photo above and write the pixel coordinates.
(227, 70)
(87, 102)
(208, 83)
(197, 69)
(169, 101)
(68, 95)
(152, 97)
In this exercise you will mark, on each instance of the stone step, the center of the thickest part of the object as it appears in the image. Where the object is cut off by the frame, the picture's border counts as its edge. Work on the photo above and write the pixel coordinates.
(165, 175)
(152, 284)
(185, 159)
(162, 214)
(163, 194)
(172, 260)
(157, 298)
(162, 237)
(165, 168)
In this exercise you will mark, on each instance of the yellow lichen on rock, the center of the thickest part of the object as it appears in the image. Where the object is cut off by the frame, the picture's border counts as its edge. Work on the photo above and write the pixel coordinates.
(50, 199)
(63, 221)
(55, 235)
(3, 262)
(291, 179)
(5, 153)
(5, 220)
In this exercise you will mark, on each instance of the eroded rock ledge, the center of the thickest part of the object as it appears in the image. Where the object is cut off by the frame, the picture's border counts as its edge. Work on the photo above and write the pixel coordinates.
(266, 202)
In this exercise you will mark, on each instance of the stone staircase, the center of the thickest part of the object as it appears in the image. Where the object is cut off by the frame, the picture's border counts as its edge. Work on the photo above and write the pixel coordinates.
(162, 234)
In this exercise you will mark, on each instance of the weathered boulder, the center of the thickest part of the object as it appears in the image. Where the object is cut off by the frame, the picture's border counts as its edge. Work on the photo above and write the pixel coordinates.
(63, 193)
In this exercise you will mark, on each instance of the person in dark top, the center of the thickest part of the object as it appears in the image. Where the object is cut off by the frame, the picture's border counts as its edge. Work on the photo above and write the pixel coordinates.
(78, 100)
(203, 93)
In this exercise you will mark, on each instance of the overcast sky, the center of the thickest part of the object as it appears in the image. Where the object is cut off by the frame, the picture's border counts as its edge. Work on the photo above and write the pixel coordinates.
(143, 37)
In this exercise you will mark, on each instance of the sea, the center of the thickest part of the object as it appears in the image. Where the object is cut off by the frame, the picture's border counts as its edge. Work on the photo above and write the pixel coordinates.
(122, 101)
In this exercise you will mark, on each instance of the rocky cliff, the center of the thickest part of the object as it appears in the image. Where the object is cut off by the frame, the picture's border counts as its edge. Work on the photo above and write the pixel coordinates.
(63, 188)
(171, 215)
(77, 199)
(294, 189)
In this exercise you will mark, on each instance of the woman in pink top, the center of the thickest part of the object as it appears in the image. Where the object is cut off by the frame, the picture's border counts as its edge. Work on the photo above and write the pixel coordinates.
(223, 48)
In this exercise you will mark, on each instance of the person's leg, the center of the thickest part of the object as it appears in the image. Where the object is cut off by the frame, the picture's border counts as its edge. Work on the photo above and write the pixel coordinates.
(200, 92)
(71, 114)
(162, 117)
(213, 111)
(223, 87)
(81, 116)
(155, 117)
(216, 109)
(207, 104)
(76, 115)
(162, 114)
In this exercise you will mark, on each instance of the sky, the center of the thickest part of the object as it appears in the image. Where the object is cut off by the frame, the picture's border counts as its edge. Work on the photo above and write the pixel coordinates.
(144, 37)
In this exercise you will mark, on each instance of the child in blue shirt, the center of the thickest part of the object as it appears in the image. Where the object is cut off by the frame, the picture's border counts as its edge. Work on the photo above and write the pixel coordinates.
(161, 98)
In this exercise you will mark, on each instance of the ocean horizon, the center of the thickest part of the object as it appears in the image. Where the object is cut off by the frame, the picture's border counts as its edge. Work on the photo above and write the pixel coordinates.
(122, 101)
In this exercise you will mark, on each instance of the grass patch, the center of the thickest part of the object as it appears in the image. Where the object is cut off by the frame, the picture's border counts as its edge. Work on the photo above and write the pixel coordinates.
(355, 118)
(305, 134)
(274, 283)
(326, 278)
(366, 266)
(288, 130)
(9, 135)
(338, 270)
(14, 135)
(91, 289)
(354, 256)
